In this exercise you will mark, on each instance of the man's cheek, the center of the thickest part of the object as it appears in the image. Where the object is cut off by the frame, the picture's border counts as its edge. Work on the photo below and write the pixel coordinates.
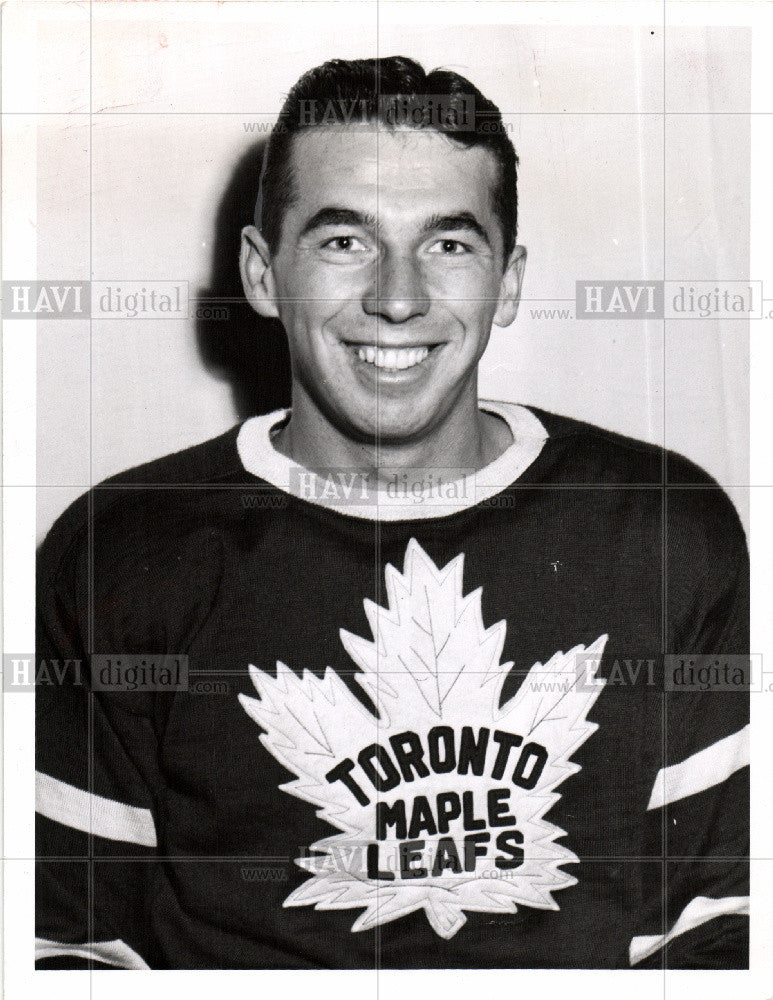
(326, 277)
(462, 282)
(476, 300)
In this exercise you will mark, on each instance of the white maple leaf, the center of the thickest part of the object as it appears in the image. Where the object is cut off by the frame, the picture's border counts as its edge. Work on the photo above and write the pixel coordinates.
(432, 670)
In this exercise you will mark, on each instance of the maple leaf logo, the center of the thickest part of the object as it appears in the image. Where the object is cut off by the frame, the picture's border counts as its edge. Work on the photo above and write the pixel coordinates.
(441, 798)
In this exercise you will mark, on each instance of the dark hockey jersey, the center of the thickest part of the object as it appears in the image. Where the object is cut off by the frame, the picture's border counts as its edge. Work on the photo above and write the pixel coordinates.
(452, 723)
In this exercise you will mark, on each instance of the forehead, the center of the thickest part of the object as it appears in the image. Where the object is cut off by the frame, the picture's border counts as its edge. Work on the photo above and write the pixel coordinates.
(388, 170)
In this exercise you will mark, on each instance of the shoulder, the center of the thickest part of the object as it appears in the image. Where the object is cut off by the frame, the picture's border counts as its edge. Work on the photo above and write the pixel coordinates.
(596, 454)
(675, 489)
(141, 505)
(208, 461)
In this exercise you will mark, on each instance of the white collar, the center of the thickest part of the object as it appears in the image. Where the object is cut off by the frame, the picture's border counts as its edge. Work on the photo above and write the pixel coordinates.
(339, 490)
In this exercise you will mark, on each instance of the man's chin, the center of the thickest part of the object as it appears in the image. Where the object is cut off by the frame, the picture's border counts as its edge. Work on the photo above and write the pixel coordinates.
(388, 428)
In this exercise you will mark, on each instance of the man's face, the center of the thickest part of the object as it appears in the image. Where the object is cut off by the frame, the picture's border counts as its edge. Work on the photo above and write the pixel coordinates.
(388, 276)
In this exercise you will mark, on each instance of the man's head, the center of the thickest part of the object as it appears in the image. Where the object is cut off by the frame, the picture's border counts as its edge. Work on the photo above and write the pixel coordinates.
(385, 242)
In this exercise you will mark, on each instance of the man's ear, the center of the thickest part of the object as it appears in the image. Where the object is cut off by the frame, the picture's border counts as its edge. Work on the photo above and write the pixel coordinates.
(510, 288)
(257, 275)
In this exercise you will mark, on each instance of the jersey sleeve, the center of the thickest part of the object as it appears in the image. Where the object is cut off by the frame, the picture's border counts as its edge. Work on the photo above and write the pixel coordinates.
(696, 876)
(95, 758)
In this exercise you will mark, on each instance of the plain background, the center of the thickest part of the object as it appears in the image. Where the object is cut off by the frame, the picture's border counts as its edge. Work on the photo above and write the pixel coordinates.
(610, 188)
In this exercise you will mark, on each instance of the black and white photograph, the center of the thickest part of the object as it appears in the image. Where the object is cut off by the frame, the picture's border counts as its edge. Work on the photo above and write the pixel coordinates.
(385, 392)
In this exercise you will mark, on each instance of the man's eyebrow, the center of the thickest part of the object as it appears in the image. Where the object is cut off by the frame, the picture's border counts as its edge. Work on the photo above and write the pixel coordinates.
(464, 221)
(338, 217)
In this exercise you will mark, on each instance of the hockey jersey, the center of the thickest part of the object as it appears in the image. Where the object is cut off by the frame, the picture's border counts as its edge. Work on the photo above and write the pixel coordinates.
(438, 725)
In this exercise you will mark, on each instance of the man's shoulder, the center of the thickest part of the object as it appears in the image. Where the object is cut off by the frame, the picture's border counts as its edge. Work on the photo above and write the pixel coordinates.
(207, 462)
(147, 499)
(596, 454)
(674, 487)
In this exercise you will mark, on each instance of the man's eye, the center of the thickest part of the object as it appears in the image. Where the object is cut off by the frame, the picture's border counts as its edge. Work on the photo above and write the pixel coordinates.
(449, 248)
(343, 244)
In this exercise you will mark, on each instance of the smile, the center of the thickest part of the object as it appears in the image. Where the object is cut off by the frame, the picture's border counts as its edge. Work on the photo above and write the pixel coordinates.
(392, 358)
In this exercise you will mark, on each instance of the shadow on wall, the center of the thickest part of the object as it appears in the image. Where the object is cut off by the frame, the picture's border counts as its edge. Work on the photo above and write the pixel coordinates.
(239, 346)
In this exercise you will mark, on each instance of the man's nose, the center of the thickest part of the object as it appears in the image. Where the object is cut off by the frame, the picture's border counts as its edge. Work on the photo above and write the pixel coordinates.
(398, 292)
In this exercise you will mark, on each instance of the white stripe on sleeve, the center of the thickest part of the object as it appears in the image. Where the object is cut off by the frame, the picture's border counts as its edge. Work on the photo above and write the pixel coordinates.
(701, 771)
(94, 814)
(698, 911)
(116, 952)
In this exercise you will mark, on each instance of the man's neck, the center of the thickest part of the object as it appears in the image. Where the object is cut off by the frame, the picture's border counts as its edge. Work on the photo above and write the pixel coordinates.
(469, 439)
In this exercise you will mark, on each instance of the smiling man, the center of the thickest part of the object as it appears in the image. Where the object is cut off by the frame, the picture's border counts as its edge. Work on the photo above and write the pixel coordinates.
(398, 677)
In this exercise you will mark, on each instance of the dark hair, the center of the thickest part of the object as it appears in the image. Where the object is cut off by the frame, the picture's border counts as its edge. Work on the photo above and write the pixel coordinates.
(395, 91)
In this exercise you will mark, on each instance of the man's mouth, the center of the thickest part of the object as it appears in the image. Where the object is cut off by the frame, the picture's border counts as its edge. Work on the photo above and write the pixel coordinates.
(392, 358)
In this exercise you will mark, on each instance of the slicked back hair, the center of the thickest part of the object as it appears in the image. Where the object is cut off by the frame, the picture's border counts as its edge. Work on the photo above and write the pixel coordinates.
(394, 92)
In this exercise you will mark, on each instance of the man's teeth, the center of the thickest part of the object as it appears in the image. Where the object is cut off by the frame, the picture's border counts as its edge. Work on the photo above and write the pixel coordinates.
(393, 357)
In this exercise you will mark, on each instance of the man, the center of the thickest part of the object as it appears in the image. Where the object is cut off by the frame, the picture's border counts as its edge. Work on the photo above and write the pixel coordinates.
(440, 728)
